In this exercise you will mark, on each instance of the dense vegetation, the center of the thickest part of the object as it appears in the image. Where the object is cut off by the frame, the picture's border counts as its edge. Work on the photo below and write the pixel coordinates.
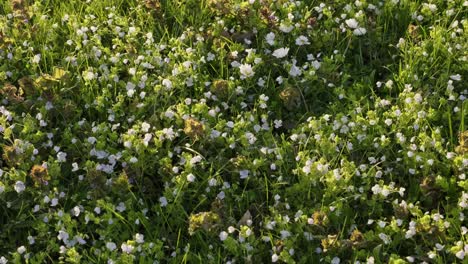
(228, 131)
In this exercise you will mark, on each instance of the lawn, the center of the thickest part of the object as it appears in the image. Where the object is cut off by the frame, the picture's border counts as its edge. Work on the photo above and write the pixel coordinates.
(229, 131)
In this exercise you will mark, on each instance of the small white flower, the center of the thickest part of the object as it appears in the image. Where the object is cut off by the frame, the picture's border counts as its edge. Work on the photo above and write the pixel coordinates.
(352, 23)
(126, 248)
(270, 38)
(302, 40)
(280, 53)
(3, 260)
(163, 201)
(359, 31)
(244, 174)
(76, 211)
(88, 75)
(21, 250)
(456, 77)
(336, 260)
(111, 246)
(190, 177)
(139, 238)
(19, 186)
(61, 156)
(246, 71)
(63, 236)
(36, 59)
(167, 83)
(274, 258)
(223, 235)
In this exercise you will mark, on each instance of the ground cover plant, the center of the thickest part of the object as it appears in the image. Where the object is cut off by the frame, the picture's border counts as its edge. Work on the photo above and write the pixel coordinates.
(228, 131)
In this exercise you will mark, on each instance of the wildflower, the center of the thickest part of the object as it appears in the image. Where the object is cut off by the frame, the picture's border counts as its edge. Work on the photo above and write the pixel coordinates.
(36, 59)
(111, 246)
(223, 235)
(244, 174)
(270, 38)
(167, 83)
(61, 156)
(359, 31)
(246, 71)
(76, 211)
(302, 40)
(190, 177)
(456, 77)
(21, 250)
(139, 238)
(352, 23)
(63, 235)
(88, 75)
(336, 260)
(280, 53)
(163, 201)
(127, 248)
(274, 258)
(19, 186)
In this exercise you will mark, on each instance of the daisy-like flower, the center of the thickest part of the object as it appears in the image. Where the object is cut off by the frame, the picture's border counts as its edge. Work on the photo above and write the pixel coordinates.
(352, 23)
(61, 156)
(280, 53)
(190, 177)
(167, 83)
(359, 31)
(163, 201)
(126, 248)
(302, 40)
(223, 235)
(111, 246)
(246, 71)
(270, 38)
(19, 186)
(36, 59)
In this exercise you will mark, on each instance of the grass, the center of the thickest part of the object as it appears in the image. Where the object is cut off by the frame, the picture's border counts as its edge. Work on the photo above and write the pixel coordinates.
(156, 131)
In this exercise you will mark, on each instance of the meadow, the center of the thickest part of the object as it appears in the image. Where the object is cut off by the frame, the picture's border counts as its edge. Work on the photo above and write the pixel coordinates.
(229, 131)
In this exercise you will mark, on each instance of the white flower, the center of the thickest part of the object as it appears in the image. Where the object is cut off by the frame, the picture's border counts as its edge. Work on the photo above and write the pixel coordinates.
(270, 38)
(88, 75)
(274, 258)
(111, 246)
(190, 177)
(163, 201)
(295, 71)
(460, 254)
(139, 238)
(244, 174)
(280, 53)
(359, 31)
(126, 248)
(76, 211)
(316, 64)
(19, 186)
(167, 83)
(37, 58)
(21, 250)
(302, 40)
(63, 235)
(223, 235)
(352, 23)
(286, 28)
(3, 260)
(61, 156)
(336, 260)
(246, 71)
(456, 77)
